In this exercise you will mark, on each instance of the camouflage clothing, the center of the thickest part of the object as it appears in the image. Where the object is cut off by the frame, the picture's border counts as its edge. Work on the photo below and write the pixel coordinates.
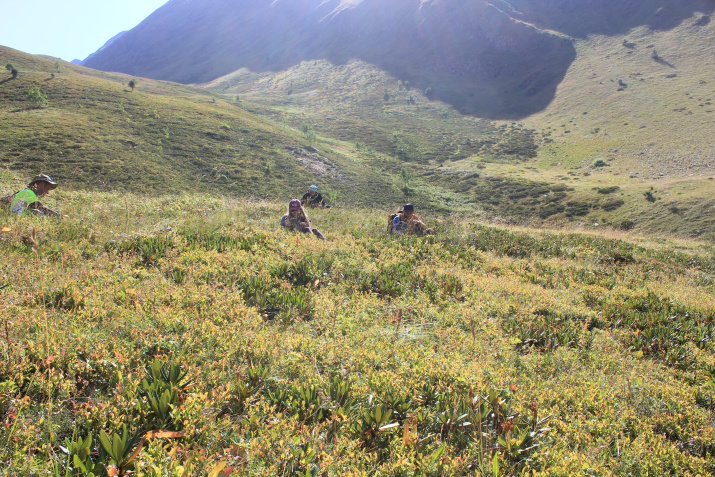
(293, 224)
(296, 224)
(315, 200)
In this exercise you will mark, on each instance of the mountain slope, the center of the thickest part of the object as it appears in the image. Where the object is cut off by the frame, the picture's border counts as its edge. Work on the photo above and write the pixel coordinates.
(162, 137)
(498, 60)
(165, 138)
(469, 54)
(582, 18)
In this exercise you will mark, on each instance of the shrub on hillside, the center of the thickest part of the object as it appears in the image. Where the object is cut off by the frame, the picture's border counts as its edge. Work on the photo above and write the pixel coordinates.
(37, 98)
(551, 209)
(607, 190)
(576, 208)
(612, 204)
(11, 69)
(626, 225)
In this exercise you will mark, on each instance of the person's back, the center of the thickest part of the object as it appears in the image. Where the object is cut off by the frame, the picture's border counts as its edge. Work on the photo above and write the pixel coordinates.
(23, 201)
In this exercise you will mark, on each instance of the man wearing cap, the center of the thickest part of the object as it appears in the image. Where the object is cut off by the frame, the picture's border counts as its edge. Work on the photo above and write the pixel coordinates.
(407, 221)
(312, 198)
(27, 201)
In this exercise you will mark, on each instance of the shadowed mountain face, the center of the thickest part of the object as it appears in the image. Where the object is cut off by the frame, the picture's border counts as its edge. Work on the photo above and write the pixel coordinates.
(488, 60)
(579, 18)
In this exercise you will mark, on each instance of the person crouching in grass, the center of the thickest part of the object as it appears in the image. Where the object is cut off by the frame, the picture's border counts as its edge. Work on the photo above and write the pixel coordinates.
(407, 222)
(297, 220)
(27, 201)
(313, 198)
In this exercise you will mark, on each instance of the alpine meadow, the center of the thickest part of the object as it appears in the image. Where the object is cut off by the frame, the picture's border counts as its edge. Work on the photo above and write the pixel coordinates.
(559, 321)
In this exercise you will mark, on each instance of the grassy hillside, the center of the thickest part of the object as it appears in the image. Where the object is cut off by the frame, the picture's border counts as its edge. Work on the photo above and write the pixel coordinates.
(95, 132)
(655, 133)
(160, 138)
(631, 122)
(481, 351)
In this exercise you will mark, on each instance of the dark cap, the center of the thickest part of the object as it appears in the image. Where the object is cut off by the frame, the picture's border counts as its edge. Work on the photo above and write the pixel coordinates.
(294, 205)
(408, 208)
(44, 178)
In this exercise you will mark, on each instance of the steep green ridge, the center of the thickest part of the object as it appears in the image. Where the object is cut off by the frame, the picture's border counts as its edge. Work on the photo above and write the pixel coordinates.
(161, 138)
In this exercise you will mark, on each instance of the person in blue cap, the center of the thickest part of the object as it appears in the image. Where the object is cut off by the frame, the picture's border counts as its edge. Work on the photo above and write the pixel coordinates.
(312, 198)
(406, 221)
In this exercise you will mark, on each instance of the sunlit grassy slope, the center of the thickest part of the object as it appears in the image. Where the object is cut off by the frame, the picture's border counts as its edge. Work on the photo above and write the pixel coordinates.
(160, 138)
(164, 137)
(481, 351)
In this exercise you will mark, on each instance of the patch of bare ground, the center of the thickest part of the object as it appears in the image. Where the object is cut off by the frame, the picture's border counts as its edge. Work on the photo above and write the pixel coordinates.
(311, 159)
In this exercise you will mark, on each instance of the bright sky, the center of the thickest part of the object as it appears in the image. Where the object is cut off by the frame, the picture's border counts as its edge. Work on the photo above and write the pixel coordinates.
(69, 29)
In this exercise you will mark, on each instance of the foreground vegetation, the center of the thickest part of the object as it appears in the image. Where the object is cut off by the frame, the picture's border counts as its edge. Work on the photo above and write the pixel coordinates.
(188, 336)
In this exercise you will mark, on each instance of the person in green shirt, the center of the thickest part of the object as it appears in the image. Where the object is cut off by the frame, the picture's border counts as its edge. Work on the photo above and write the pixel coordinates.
(27, 201)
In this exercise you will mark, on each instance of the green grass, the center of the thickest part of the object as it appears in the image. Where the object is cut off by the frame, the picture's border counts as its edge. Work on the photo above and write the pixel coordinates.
(547, 352)
(161, 138)
(566, 349)
(95, 133)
